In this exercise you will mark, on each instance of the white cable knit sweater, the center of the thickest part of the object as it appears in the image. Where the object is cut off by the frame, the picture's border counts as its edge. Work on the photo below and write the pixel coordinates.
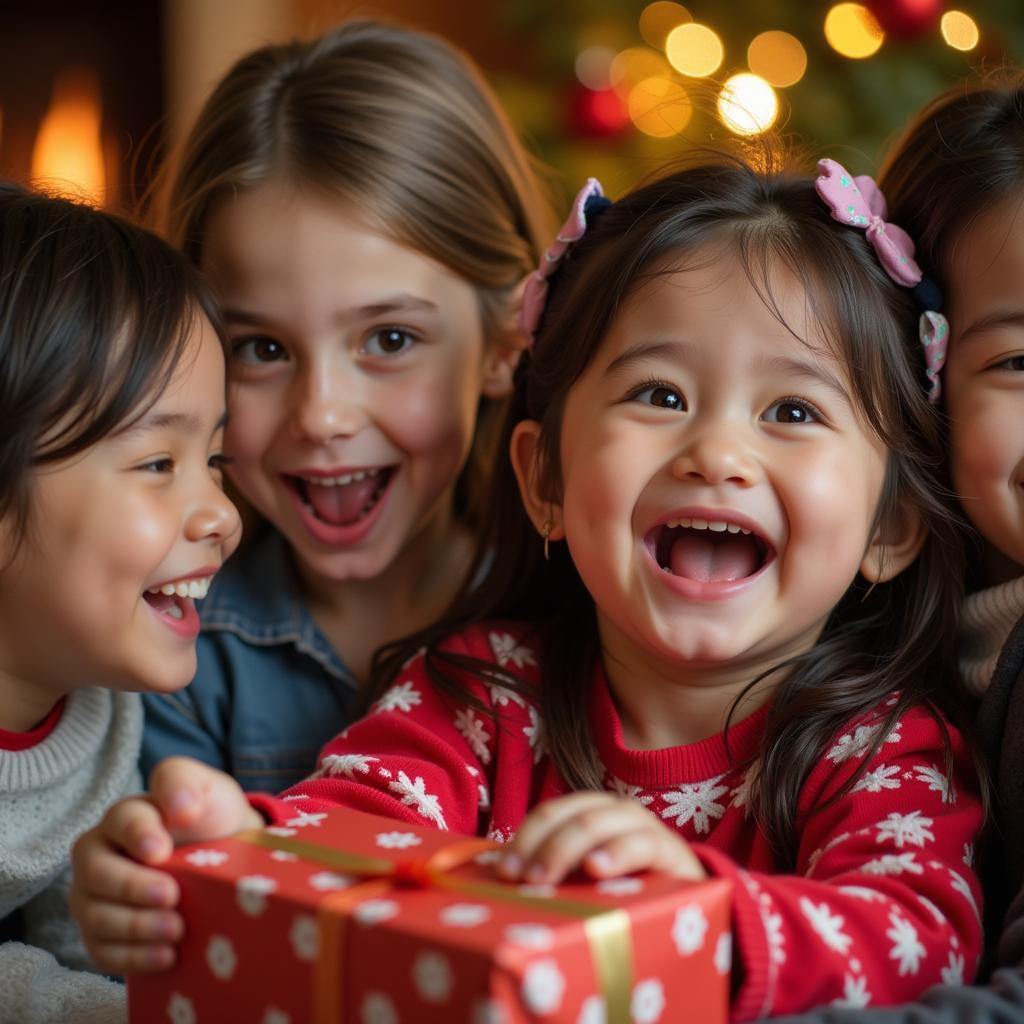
(49, 795)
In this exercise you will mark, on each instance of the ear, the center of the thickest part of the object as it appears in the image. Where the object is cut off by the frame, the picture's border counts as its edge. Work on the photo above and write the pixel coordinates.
(523, 450)
(505, 349)
(894, 547)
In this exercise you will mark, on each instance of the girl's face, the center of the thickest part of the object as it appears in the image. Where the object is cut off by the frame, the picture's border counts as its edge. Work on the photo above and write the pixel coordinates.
(719, 485)
(141, 510)
(984, 384)
(357, 369)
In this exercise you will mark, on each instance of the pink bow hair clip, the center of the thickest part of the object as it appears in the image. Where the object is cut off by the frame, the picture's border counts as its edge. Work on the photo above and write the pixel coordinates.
(858, 202)
(535, 292)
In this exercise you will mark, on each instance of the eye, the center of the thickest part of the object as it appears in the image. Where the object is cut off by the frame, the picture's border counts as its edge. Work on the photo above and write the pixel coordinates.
(663, 396)
(389, 341)
(1011, 363)
(793, 411)
(164, 464)
(258, 349)
(219, 460)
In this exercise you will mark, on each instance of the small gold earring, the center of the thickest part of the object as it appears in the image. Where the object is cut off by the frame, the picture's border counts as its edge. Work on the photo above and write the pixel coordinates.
(545, 532)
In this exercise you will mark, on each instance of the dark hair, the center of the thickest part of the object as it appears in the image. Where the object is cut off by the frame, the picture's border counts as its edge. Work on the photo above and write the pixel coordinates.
(398, 125)
(960, 156)
(896, 636)
(95, 315)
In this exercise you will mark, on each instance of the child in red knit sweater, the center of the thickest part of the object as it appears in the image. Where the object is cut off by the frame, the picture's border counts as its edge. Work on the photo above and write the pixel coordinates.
(739, 662)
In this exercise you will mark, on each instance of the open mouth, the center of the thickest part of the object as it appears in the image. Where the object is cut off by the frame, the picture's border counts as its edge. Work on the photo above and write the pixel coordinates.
(708, 551)
(343, 500)
(175, 599)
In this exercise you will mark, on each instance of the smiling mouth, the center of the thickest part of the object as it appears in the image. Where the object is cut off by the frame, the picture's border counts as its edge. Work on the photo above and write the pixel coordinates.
(707, 551)
(169, 599)
(345, 499)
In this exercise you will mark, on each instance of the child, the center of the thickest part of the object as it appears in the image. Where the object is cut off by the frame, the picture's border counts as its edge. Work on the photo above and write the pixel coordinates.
(112, 520)
(365, 213)
(723, 419)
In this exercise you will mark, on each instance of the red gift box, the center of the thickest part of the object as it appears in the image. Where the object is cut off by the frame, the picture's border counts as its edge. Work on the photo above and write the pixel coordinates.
(352, 917)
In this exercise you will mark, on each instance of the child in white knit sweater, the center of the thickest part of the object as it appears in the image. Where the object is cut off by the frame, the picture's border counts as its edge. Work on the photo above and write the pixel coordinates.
(112, 520)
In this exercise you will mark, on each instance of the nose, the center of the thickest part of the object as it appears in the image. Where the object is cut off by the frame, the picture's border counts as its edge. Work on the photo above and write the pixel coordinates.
(214, 518)
(327, 402)
(716, 453)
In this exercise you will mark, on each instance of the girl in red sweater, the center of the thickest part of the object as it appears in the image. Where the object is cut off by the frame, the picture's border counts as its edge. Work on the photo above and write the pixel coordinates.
(714, 636)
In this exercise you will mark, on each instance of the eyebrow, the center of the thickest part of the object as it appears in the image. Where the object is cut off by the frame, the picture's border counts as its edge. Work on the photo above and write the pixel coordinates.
(1000, 318)
(678, 351)
(399, 302)
(184, 422)
(809, 369)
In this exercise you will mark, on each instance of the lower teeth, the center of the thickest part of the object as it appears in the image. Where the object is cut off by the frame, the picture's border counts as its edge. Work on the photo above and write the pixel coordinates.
(176, 612)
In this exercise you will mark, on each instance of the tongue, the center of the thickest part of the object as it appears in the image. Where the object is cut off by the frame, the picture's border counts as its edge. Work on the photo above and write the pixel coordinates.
(161, 602)
(343, 503)
(697, 557)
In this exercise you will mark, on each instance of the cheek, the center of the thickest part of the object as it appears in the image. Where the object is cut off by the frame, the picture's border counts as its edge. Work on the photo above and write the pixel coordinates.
(437, 414)
(252, 423)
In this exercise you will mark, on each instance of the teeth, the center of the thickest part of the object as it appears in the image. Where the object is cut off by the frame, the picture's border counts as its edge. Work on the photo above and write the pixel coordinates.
(715, 525)
(340, 481)
(175, 612)
(195, 588)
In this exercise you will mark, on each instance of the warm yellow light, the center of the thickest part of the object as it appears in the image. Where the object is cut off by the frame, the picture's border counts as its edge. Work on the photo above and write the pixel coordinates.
(851, 30)
(634, 65)
(694, 50)
(747, 104)
(593, 66)
(659, 18)
(959, 30)
(68, 150)
(778, 58)
(660, 107)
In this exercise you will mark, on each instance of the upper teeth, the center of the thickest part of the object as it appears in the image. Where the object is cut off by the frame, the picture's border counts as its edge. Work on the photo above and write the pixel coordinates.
(715, 525)
(184, 588)
(337, 481)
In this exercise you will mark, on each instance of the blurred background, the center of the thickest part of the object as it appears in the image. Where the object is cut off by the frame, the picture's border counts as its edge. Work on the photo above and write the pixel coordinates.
(96, 94)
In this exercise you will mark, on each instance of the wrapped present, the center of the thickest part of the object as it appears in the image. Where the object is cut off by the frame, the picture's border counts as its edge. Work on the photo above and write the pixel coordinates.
(347, 916)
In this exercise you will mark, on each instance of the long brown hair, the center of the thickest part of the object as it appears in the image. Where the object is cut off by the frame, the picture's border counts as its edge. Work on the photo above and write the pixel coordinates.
(897, 636)
(398, 125)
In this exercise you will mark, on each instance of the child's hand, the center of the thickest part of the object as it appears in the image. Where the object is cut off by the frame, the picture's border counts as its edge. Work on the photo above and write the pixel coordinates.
(125, 910)
(604, 834)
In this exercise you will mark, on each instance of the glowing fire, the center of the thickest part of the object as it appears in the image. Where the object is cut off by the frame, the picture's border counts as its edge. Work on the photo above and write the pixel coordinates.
(68, 153)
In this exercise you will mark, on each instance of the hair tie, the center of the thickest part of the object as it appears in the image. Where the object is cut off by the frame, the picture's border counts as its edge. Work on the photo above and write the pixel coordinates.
(859, 202)
(589, 201)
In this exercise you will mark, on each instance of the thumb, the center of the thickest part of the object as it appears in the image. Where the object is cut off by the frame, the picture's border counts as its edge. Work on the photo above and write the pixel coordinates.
(199, 802)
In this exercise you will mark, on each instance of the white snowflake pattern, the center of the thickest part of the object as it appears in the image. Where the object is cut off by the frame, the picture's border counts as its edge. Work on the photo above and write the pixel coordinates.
(937, 914)
(275, 1016)
(474, 732)
(377, 1008)
(180, 1009)
(496, 834)
(625, 886)
(741, 793)
(912, 828)
(502, 695)
(689, 929)
(285, 856)
(251, 892)
(953, 972)
(220, 957)
(372, 912)
(530, 936)
(432, 976)
(306, 819)
(628, 792)
(829, 926)
(855, 993)
(593, 1011)
(851, 745)
(968, 857)
(414, 794)
(648, 1001)
(296, 796)
(961, 885)
(776, 937)
(206, 858)
(861, 892)
(936, 781)
(465, 915)
(400, 697)
(345, 764)
(385, 773)
(893, 864)
(534, 733)
(543, 986)
(723, 953)
(488, 1011)
(906, 947)
(695, 802)
(397, 840)
(885, 776)
(329, 881)
(305, 937)
(506, 649)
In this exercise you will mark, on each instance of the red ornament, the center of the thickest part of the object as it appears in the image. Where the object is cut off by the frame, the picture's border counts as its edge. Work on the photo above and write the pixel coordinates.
(596, 113)
(906, 19)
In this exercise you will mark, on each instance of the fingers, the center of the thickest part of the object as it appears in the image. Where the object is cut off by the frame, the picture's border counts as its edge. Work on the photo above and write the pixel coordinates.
(648, 849)
(102, 871)
(123, 959)
(199, 802)
(125, 940)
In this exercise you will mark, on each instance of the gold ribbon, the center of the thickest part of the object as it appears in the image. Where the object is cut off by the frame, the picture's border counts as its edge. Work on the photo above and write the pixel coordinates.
(608, 931)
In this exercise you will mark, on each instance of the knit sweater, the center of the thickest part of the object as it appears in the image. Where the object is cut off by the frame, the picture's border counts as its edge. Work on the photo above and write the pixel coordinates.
(882, 901)
(50, 794)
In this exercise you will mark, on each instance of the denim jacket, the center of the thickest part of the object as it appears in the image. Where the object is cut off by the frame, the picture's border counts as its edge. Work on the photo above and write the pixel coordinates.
(269, 690)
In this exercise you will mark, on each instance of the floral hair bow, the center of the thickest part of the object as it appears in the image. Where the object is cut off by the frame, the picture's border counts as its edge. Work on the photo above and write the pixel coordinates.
(859, 202)
(589, 200)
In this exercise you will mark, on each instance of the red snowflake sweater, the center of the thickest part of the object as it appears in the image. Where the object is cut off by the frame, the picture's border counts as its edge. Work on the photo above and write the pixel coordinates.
(883, 902)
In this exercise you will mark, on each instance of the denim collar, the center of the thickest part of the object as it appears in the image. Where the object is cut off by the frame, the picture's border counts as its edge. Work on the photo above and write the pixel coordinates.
(258, 597)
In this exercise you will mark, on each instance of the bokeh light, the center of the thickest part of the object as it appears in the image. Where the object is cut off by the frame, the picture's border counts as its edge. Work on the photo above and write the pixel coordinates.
(593, 66)
(659, 18)
(694, 50)
(778, 57)
(747, 104)
(960, 30)
(852, 31)
(660, 106)
(632, 66)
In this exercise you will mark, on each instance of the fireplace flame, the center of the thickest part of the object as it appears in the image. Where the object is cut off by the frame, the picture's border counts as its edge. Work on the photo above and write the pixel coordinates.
(68, 152)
